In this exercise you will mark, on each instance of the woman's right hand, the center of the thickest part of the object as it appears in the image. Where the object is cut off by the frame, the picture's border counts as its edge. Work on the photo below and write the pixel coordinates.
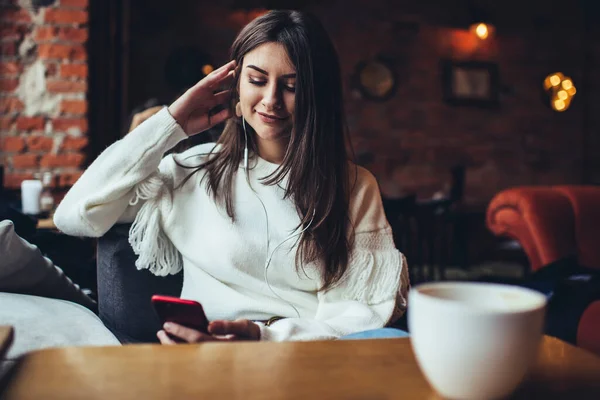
(229, 331)
(192, 109)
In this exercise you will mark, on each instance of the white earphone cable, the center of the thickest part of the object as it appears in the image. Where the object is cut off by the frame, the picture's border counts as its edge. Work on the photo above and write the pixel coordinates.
(245, 147)
(293, 235)
(268, 262)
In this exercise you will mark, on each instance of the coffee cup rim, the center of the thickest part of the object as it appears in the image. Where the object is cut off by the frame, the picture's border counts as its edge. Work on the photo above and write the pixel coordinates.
(538, 300)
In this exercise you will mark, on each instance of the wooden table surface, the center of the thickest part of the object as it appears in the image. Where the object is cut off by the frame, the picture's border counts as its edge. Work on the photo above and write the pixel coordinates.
(365, 369)
(6, 336)
(46, 223)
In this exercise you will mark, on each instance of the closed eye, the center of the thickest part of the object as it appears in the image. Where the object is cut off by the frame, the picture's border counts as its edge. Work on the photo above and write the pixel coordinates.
(289, 88)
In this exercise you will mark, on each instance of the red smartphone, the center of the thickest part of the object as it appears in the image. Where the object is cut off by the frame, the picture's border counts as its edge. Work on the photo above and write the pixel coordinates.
(188, 313)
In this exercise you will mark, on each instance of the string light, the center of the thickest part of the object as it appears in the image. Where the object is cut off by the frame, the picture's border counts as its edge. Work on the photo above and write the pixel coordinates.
(559, 105)
(482, 30)
(561, 90)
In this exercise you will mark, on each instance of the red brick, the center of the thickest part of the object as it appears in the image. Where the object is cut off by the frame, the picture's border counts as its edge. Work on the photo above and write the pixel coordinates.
(22, 161)
(13, 180)
(15, 15)
(6, 123)
(64, 33)
(74, 3)
(44, 33)
(10, 105)
(62, 160)
(68, 179)
(66, 86)
(9, 68)
(8, 85)
(75, 143)
(12, 144)
(63, 124)
(62, 16)
(62, 51)
(40, 143)
(74, 70)
(68, 34)
(8, 49)
(73, 107)
(30, 123)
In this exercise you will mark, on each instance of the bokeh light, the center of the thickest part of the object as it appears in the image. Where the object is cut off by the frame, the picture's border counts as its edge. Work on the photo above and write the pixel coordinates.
(560, 90)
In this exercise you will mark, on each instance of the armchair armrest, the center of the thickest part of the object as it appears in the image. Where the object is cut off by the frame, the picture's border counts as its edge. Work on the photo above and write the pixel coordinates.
(540, 218)
(585, 203)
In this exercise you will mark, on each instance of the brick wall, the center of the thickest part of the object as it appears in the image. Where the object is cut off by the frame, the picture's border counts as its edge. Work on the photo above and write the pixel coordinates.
(415, 137)
(43, 83)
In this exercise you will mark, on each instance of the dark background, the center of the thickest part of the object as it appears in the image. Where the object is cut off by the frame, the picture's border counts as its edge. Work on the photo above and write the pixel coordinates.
(412, 140)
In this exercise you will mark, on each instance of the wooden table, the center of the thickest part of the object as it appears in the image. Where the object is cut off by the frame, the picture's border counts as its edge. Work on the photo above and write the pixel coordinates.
(366, 369)
(46, 223)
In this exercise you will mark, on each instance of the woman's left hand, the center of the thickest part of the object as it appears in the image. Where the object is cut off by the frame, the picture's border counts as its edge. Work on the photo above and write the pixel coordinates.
(241, 329)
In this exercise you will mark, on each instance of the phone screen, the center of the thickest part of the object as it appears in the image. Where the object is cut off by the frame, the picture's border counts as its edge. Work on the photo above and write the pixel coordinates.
(188, 313)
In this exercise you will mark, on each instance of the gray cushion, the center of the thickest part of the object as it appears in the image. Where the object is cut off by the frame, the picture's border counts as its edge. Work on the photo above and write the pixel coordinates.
(41, 323)
(23, 269)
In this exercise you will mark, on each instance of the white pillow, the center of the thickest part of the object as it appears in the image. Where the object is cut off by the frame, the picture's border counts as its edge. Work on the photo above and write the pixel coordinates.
(41, 323)
(23, 269)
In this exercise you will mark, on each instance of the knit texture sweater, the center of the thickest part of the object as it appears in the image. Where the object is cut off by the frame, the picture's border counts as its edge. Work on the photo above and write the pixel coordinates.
(180, 226)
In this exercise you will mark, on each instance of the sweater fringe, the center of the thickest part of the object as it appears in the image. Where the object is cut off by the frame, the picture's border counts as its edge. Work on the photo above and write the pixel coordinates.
(148, 240)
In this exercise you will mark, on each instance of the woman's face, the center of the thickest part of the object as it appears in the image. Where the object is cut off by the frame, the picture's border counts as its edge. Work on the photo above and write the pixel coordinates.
(267, 91)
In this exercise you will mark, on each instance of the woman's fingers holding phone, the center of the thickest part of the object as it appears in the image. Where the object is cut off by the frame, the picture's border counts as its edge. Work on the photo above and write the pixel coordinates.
(186, 334)
(164, 338)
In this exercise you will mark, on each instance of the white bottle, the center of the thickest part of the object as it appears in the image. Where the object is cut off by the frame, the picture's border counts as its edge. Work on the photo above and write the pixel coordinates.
(46, 198)
(30, 196)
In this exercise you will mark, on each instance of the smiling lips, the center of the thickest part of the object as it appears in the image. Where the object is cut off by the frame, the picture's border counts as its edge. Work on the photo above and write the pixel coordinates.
(270, 119)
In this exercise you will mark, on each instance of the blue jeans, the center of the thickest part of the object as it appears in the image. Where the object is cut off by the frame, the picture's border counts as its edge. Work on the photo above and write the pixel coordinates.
(382, 333)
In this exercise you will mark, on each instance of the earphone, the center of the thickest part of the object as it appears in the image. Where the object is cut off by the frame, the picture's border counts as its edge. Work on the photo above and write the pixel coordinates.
(293, 235)
(245, 147)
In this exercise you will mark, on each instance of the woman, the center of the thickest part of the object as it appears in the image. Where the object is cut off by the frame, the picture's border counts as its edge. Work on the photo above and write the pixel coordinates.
(270, 224)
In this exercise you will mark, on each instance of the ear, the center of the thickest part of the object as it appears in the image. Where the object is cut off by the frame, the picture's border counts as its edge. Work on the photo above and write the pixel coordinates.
(238, 109)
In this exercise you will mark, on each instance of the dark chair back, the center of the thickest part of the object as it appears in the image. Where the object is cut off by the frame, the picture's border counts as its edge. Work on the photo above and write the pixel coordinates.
(420, 232)
(124, 292)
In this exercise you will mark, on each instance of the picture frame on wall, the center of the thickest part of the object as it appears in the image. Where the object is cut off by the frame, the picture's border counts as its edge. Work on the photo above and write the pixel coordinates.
(471, 83)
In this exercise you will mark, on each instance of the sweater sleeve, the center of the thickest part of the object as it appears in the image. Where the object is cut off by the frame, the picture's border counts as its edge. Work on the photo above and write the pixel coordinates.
(373, 291)
(111, 188)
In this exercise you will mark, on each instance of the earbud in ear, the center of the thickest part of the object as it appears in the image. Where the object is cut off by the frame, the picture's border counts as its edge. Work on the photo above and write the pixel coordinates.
(238, 109)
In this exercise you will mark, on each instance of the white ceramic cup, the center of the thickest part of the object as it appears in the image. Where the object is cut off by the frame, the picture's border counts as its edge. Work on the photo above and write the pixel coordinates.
(475, 340)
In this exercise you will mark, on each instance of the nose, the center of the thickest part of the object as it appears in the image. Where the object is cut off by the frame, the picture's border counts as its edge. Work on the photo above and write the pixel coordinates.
(273, 97)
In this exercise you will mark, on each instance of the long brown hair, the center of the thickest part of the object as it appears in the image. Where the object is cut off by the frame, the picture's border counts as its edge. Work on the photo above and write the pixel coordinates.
(316, 160)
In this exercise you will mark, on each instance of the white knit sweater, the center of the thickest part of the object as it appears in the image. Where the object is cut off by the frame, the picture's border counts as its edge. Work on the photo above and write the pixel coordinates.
(224, 261)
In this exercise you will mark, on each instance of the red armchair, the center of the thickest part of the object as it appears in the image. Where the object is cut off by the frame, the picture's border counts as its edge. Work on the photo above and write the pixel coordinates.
(553, 223)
